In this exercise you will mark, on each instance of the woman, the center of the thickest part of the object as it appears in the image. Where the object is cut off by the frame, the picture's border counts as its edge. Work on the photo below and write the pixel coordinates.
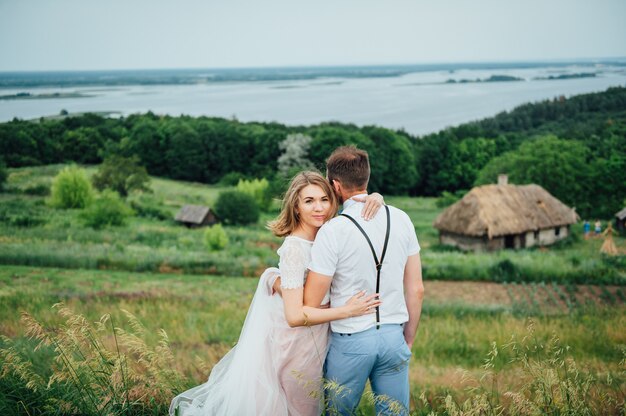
(276, 367)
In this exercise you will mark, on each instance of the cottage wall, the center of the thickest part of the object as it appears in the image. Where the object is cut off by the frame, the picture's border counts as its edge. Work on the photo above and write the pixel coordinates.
(469, 243)
(529, 239)
(548, 236)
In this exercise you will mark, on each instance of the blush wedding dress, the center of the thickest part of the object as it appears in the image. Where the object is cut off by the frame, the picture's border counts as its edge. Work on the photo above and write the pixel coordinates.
(273, 369)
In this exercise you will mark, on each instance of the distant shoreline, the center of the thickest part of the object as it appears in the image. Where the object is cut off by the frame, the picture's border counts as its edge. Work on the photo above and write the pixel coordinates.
(28, 79)
(52, 95)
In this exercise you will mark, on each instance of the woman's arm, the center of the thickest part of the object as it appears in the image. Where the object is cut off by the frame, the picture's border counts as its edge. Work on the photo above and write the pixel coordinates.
(299, 315)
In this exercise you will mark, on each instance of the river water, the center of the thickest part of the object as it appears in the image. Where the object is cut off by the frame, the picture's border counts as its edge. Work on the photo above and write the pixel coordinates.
(419, 102)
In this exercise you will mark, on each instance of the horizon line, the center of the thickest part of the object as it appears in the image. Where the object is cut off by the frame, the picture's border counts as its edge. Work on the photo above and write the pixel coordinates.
(331, 66)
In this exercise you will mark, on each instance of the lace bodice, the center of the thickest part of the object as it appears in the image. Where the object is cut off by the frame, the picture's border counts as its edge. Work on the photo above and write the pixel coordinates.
(295, 255)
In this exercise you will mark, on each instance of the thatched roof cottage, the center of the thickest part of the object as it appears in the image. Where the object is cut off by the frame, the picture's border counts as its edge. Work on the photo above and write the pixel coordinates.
(493, 217)
(195, 216)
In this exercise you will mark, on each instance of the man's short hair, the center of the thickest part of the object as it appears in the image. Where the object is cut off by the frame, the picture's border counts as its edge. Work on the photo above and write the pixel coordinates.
(350, 166)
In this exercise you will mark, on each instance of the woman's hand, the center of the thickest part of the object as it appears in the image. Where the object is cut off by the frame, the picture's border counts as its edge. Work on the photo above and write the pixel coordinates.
(373, 202)
(360, 304)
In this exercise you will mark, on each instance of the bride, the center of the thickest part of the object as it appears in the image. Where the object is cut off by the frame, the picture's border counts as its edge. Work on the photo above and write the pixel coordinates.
(276, 366)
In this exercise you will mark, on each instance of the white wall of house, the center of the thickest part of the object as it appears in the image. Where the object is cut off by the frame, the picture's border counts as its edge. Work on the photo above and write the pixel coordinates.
(549, 235)
(468, 243)
(543, 237)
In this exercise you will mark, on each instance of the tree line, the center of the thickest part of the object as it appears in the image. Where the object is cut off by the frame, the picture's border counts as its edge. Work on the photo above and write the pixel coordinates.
(587, 132)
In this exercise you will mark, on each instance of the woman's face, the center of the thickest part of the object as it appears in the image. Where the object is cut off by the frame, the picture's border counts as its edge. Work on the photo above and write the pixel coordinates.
(313, 206)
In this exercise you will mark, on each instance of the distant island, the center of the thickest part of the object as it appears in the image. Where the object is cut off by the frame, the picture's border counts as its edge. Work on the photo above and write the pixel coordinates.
(217, 75)
(29, 96)
(493, 78)
(567, 76)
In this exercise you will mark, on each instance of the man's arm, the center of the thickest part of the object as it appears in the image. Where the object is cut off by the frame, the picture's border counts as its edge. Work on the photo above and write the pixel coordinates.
(315, 288)
(413, 296)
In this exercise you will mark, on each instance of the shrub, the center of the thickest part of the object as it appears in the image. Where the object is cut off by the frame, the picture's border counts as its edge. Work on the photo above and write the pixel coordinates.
(448, 198)
(71, 189)
(257, 189)
(231, 179)
(122, 175)
(505, 271)
(234, 207)
(40, 189)
(146, 205)
(108, 209)
(3, 173)
(215, 238)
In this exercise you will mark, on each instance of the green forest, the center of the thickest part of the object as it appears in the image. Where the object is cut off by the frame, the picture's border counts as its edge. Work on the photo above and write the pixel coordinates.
(574, 147)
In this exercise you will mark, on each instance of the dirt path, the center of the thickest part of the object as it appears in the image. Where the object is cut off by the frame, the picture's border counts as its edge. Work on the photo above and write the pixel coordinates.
(548, 296)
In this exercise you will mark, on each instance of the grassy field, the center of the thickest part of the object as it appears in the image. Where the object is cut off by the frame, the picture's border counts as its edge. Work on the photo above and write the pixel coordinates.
(33, 234)
(202, 316)
(514, 330)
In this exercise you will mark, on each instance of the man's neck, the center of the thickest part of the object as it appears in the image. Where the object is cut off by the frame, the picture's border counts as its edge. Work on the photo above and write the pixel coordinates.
(348, 195)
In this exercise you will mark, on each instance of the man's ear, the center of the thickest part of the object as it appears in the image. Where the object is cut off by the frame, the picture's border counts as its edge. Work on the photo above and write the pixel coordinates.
(336, 186)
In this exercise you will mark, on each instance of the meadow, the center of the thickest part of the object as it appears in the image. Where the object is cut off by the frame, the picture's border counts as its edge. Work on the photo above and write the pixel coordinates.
(33, 234)
(543, 336)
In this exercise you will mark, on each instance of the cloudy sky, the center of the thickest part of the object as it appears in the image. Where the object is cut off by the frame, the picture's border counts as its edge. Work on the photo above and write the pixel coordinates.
(136, 34)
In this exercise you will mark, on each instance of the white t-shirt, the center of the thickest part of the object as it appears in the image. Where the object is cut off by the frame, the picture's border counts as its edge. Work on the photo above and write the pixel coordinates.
(342, 252)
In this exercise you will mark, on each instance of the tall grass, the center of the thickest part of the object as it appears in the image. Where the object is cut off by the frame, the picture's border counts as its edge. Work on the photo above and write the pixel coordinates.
(79, 367)
(94, 369)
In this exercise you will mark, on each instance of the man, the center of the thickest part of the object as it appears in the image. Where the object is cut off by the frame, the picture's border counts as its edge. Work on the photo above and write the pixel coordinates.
(376, 346)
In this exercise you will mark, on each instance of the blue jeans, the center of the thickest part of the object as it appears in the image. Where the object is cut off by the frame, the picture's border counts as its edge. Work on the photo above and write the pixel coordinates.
(380, 355)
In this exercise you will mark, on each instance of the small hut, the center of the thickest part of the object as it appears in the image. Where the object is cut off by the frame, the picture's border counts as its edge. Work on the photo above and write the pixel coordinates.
(196, 216)
(493, 217)
(620, 221)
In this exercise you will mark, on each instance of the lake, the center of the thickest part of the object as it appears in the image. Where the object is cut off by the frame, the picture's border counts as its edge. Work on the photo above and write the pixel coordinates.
(419, 102)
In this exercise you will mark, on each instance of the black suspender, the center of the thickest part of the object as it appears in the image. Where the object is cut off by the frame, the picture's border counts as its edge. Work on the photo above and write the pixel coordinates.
(379, 264)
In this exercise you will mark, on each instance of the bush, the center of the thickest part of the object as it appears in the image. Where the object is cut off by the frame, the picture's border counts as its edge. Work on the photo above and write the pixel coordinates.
(71, 189)
(106, 210)
(231, 179)
(3, 173)
(505, 271)
(147, 206)
(40, 189)
(234, 208)
(448, 198)
(257, 189)
(215, 238)
(122, 175)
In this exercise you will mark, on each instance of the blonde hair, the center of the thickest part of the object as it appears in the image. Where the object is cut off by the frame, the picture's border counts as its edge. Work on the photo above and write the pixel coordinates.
(288, 220)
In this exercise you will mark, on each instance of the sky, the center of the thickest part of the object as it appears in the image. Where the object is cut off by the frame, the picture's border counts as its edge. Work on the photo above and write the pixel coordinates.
(40, 35)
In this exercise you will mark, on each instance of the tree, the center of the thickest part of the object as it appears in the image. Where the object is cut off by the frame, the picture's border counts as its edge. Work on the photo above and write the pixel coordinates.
(82, 145)
(71, 189)
(560, 166)
(3, 173)
(295, 150)
(146, 142)
(122, 175)
(185, 155)
(392, 162)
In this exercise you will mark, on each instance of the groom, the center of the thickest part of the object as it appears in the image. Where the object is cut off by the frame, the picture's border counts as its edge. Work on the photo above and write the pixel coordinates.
(380, 256)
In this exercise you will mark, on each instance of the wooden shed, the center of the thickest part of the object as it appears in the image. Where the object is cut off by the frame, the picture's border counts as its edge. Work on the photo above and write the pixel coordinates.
(493, 217)
(196, 216)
